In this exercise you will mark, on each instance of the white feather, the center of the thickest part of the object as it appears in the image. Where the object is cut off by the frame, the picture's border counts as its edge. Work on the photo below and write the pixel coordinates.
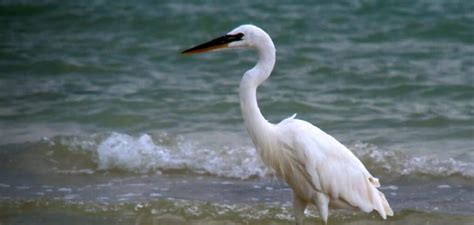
(319, 169)
(334, 170)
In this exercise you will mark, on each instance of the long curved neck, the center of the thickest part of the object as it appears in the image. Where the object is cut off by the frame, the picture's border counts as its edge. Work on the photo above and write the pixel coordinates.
(256, 124)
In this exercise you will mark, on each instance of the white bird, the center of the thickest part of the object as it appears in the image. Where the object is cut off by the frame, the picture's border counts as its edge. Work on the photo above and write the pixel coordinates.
(319, 169)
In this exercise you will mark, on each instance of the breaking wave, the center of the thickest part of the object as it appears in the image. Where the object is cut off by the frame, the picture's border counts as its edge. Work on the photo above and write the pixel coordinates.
(221, 155)
(143, 154)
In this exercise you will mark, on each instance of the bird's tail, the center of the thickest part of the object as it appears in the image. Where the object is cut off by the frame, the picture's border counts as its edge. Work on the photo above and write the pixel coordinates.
(380, 203)
(386, 211)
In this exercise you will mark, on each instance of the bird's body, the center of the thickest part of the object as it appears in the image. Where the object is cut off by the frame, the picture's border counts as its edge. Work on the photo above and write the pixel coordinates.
(318, 168)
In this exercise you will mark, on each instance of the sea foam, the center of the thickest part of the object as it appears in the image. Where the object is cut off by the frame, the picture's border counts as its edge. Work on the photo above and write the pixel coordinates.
(210, 154)
(141, 154)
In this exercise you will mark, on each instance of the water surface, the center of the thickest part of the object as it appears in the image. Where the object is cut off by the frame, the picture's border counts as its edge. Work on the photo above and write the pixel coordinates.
(103, 121)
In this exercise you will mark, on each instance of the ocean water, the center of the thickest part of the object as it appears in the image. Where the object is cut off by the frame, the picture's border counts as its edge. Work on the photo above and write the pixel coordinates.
(103, 121)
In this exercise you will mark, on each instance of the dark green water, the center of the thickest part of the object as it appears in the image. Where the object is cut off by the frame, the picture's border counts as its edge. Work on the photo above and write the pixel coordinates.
(102, 120)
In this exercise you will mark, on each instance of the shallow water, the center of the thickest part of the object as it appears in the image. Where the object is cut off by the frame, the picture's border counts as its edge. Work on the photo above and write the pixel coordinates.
(103, 121)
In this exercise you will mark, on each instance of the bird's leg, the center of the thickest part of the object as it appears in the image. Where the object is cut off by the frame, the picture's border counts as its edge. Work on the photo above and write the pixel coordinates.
(299, 206)
(322, 202)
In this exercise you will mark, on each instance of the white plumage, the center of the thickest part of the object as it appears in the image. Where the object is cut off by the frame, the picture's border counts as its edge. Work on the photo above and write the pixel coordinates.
(319, 169)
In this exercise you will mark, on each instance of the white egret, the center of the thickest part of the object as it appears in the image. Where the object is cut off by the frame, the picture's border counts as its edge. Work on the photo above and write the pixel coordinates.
(319, 169)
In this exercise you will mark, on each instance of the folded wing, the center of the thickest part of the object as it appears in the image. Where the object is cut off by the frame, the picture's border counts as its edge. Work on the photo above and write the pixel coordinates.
(332, 168)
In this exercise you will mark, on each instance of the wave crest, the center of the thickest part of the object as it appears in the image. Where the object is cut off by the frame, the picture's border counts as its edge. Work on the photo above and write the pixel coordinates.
(224, 155)
(396, 164)
(141, 154)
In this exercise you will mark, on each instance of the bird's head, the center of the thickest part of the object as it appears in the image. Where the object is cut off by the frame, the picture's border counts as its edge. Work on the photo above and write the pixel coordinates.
(244, 36)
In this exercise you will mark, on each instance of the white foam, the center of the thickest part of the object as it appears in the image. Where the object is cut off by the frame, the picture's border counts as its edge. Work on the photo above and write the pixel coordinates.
(102, 198)
(137, 185)
(141, 154)
(130, 195)
(70, 196)
(224, 154)
(435, 166)
(443, 186)
(399, 164)
(135, 154)
(65, 189)
(390, 187)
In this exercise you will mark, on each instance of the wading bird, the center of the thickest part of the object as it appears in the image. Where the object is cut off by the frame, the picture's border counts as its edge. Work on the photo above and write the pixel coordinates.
(319, 169)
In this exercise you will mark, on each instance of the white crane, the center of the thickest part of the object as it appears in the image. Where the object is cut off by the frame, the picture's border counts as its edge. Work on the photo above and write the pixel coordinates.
(319, 169)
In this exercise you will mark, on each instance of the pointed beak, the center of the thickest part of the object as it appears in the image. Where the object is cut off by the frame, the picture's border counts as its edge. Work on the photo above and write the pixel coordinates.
(218, 43)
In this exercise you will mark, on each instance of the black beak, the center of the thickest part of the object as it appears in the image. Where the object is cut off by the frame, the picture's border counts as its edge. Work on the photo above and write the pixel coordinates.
(220, 42)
